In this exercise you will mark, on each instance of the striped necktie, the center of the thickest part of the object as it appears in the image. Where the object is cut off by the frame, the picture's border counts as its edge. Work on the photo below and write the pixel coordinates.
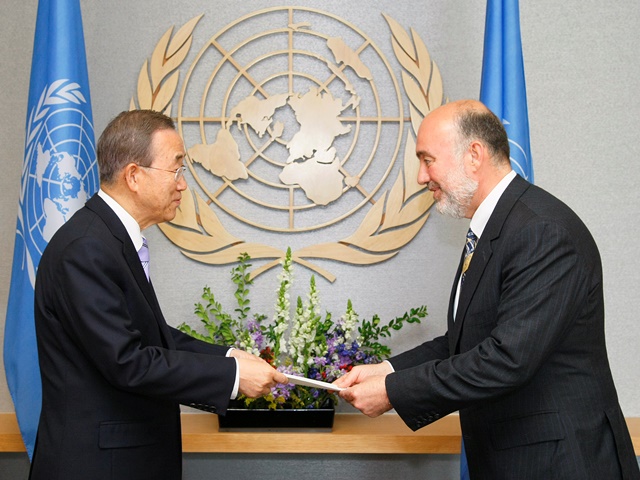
(469, 248)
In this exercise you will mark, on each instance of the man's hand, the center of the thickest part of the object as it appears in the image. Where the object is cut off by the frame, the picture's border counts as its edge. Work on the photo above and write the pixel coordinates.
(361, 372)
(257, 377)
(369, 395)
(237, 353)
(365, 388)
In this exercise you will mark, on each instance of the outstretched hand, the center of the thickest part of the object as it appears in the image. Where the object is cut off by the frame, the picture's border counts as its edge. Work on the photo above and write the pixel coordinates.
(257, 377)
(361, 372)
(366, 389)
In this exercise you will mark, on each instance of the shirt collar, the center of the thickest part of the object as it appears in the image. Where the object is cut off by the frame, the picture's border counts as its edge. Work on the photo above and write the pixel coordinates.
(130, 224)
(483, 213)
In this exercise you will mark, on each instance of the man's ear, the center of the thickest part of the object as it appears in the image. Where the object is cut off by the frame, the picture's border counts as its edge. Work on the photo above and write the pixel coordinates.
(132, 173)
(478, 154)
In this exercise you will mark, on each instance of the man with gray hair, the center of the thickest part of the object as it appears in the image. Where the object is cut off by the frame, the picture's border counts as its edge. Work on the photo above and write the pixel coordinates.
(113, 372)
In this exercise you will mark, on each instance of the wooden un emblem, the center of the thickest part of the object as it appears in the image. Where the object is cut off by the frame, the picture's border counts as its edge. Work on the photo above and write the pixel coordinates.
(287, 131)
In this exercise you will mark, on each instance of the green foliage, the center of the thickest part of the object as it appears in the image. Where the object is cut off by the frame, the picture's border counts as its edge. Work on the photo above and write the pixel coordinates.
(371, 331)
(306, 344)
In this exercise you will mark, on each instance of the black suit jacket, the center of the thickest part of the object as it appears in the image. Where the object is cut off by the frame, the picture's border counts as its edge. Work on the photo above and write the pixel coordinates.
(525, 360)
(113, 372)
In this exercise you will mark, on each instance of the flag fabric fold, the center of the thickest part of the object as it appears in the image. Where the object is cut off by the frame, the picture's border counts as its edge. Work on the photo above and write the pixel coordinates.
(59, 174)
(503, 87)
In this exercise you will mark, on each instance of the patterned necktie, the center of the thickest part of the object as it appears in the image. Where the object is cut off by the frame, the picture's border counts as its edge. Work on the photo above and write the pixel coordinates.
(143, 254)
(469, 248)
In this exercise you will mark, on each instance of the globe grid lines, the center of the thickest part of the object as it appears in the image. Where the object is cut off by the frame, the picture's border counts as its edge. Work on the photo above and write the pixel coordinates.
(243, 71)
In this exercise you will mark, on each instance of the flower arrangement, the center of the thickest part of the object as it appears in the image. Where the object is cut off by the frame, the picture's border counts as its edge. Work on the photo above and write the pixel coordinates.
(307, 344)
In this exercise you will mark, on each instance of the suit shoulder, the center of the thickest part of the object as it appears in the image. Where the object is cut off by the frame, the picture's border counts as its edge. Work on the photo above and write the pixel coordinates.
(77, 226)
(547, 206)
(84, 224)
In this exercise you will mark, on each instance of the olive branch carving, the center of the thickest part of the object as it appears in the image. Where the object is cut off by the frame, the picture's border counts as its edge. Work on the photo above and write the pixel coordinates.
(156, 83)
(392, 221)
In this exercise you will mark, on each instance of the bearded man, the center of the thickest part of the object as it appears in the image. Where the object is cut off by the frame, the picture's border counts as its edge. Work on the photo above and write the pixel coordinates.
(524, 359)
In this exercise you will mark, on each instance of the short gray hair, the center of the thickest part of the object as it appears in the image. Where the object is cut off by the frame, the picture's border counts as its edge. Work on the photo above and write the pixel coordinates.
(127, 139)
(481, 124)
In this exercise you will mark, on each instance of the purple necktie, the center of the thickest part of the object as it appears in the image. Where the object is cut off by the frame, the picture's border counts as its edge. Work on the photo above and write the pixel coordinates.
(143, 254)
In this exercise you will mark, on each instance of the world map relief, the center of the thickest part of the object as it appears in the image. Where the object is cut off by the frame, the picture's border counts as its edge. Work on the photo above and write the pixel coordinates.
(312, 163)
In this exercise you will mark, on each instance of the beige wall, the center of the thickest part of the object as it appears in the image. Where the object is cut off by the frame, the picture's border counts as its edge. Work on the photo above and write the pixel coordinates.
(582, 81)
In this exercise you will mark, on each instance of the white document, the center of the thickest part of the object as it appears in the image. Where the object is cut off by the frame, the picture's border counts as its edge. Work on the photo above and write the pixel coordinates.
(308, 382)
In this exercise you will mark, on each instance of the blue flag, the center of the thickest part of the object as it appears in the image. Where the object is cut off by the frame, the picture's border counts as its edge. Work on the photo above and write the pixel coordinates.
(59, 174)
(502, 86)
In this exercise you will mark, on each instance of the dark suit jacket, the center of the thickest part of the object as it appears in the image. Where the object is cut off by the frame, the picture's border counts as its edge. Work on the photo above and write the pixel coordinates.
(525, 361)
(113, 372)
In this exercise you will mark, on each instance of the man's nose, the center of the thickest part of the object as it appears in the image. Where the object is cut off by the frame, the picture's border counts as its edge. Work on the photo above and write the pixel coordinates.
(423, 175)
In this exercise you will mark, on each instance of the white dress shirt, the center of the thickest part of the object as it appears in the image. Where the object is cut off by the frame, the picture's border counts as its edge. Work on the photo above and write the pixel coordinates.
(481, 218)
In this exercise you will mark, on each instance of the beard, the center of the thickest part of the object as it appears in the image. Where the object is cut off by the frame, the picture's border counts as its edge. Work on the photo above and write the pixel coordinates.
(457, 193)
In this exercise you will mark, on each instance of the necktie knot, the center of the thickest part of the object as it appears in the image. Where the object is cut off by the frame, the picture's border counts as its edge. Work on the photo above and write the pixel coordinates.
(143, 254)
(469, 248)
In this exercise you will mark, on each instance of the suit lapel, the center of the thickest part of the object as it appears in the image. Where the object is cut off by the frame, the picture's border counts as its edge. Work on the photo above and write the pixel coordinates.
(97, 205)
(481, 257)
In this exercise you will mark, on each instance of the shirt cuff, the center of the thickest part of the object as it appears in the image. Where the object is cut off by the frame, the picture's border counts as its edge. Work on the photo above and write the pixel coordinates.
(389, 363)
(236, 383)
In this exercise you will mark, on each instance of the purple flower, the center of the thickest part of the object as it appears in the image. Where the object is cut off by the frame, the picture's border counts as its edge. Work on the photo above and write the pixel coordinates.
(255, 331)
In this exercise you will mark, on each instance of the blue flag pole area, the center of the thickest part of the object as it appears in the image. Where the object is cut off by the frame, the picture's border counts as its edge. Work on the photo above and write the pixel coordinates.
(59, 174)
(502, 86)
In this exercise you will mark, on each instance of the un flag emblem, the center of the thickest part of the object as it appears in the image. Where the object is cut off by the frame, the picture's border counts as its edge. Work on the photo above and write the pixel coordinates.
(59, 169)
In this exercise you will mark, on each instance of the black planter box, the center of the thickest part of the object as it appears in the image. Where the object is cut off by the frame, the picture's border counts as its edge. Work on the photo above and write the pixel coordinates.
(279, 420)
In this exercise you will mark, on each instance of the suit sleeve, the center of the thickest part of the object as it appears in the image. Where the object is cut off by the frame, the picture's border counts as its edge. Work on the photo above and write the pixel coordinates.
(102, 309)
(523, 307)
(435, 349)
(190, 344)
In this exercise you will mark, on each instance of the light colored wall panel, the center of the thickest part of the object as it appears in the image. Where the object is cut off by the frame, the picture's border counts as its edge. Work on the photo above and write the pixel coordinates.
(581, 68)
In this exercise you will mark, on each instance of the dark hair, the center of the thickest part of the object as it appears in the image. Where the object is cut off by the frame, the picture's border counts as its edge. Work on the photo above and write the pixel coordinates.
(481, 124)
(127, 139)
